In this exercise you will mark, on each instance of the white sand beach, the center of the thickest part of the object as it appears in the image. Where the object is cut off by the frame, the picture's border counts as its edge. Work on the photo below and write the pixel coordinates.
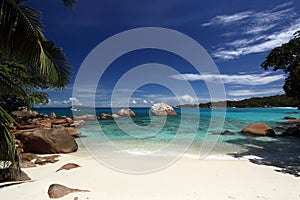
(186, 179)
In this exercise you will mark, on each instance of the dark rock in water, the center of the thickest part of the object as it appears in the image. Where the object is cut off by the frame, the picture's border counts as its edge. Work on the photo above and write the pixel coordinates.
(259, 129)
(58, 191)
(68, 166)
(294, 121)
(227, 132)
(289, 117)
(292, 131)
(48, 141)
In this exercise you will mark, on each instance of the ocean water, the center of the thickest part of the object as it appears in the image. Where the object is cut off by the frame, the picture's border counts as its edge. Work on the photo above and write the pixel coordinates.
(192, 133)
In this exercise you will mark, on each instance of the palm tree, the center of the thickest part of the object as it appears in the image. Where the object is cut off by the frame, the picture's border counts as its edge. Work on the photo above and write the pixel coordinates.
(23, 46)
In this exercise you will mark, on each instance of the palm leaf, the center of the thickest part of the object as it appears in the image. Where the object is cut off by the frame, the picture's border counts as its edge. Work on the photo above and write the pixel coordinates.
(54, 65)
(7, 147)
(20, 33)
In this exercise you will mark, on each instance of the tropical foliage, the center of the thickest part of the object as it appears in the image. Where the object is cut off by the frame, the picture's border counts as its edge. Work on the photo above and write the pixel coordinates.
(287, 58)
(28, 62)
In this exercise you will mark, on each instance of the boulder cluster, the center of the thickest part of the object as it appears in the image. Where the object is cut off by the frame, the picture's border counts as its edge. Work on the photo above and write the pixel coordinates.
(41, 134)
(122, 113)
(292, 128)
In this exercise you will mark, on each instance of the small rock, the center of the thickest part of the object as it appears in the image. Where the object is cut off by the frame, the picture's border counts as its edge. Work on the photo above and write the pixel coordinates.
(126, 113)
(58, 191)
(68, 166)
(69, 120)
(289, 117)
(52, 115)
(104, 116)
(227, 132)
(46, 159)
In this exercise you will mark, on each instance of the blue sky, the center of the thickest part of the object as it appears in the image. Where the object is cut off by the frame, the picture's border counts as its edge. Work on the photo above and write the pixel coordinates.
(237, 35)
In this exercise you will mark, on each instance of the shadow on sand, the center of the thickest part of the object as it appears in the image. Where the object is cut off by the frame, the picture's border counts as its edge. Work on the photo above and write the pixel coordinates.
(280, 152)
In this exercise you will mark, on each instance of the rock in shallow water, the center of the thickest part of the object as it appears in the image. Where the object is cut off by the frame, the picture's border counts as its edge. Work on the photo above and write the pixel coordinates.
(162, 109)
(259, 129)
(126, 113)
(292, 131)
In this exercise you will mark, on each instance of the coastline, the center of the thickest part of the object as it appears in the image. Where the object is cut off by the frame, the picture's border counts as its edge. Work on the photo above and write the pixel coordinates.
(185, 179)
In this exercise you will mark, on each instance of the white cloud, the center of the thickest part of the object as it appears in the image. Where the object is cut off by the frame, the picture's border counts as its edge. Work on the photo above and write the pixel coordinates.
(239, 79)
(187, 99)
(256, 31)
(244, 47)
(225, 19)
(254, 92)
(134, 102)
(145, 101)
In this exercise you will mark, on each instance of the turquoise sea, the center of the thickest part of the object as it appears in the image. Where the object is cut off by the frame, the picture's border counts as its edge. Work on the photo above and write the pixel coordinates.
(193, 132)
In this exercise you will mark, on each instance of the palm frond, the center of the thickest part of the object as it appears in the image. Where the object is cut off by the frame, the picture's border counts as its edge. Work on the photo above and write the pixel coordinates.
(7, 147)
(20, 33)
(54, 65)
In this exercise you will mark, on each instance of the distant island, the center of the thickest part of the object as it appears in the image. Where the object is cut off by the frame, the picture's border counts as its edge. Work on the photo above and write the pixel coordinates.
(255, 102)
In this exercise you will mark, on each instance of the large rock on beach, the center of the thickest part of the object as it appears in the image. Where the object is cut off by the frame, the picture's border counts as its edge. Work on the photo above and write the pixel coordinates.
(126, 113)
(12, 176)
(162, 109)
(48, 141)
(259, 129)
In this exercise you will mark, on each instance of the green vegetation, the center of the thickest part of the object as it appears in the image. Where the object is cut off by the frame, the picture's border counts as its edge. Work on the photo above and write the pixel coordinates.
(287, 58)
(256, 102)
(28, 63)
